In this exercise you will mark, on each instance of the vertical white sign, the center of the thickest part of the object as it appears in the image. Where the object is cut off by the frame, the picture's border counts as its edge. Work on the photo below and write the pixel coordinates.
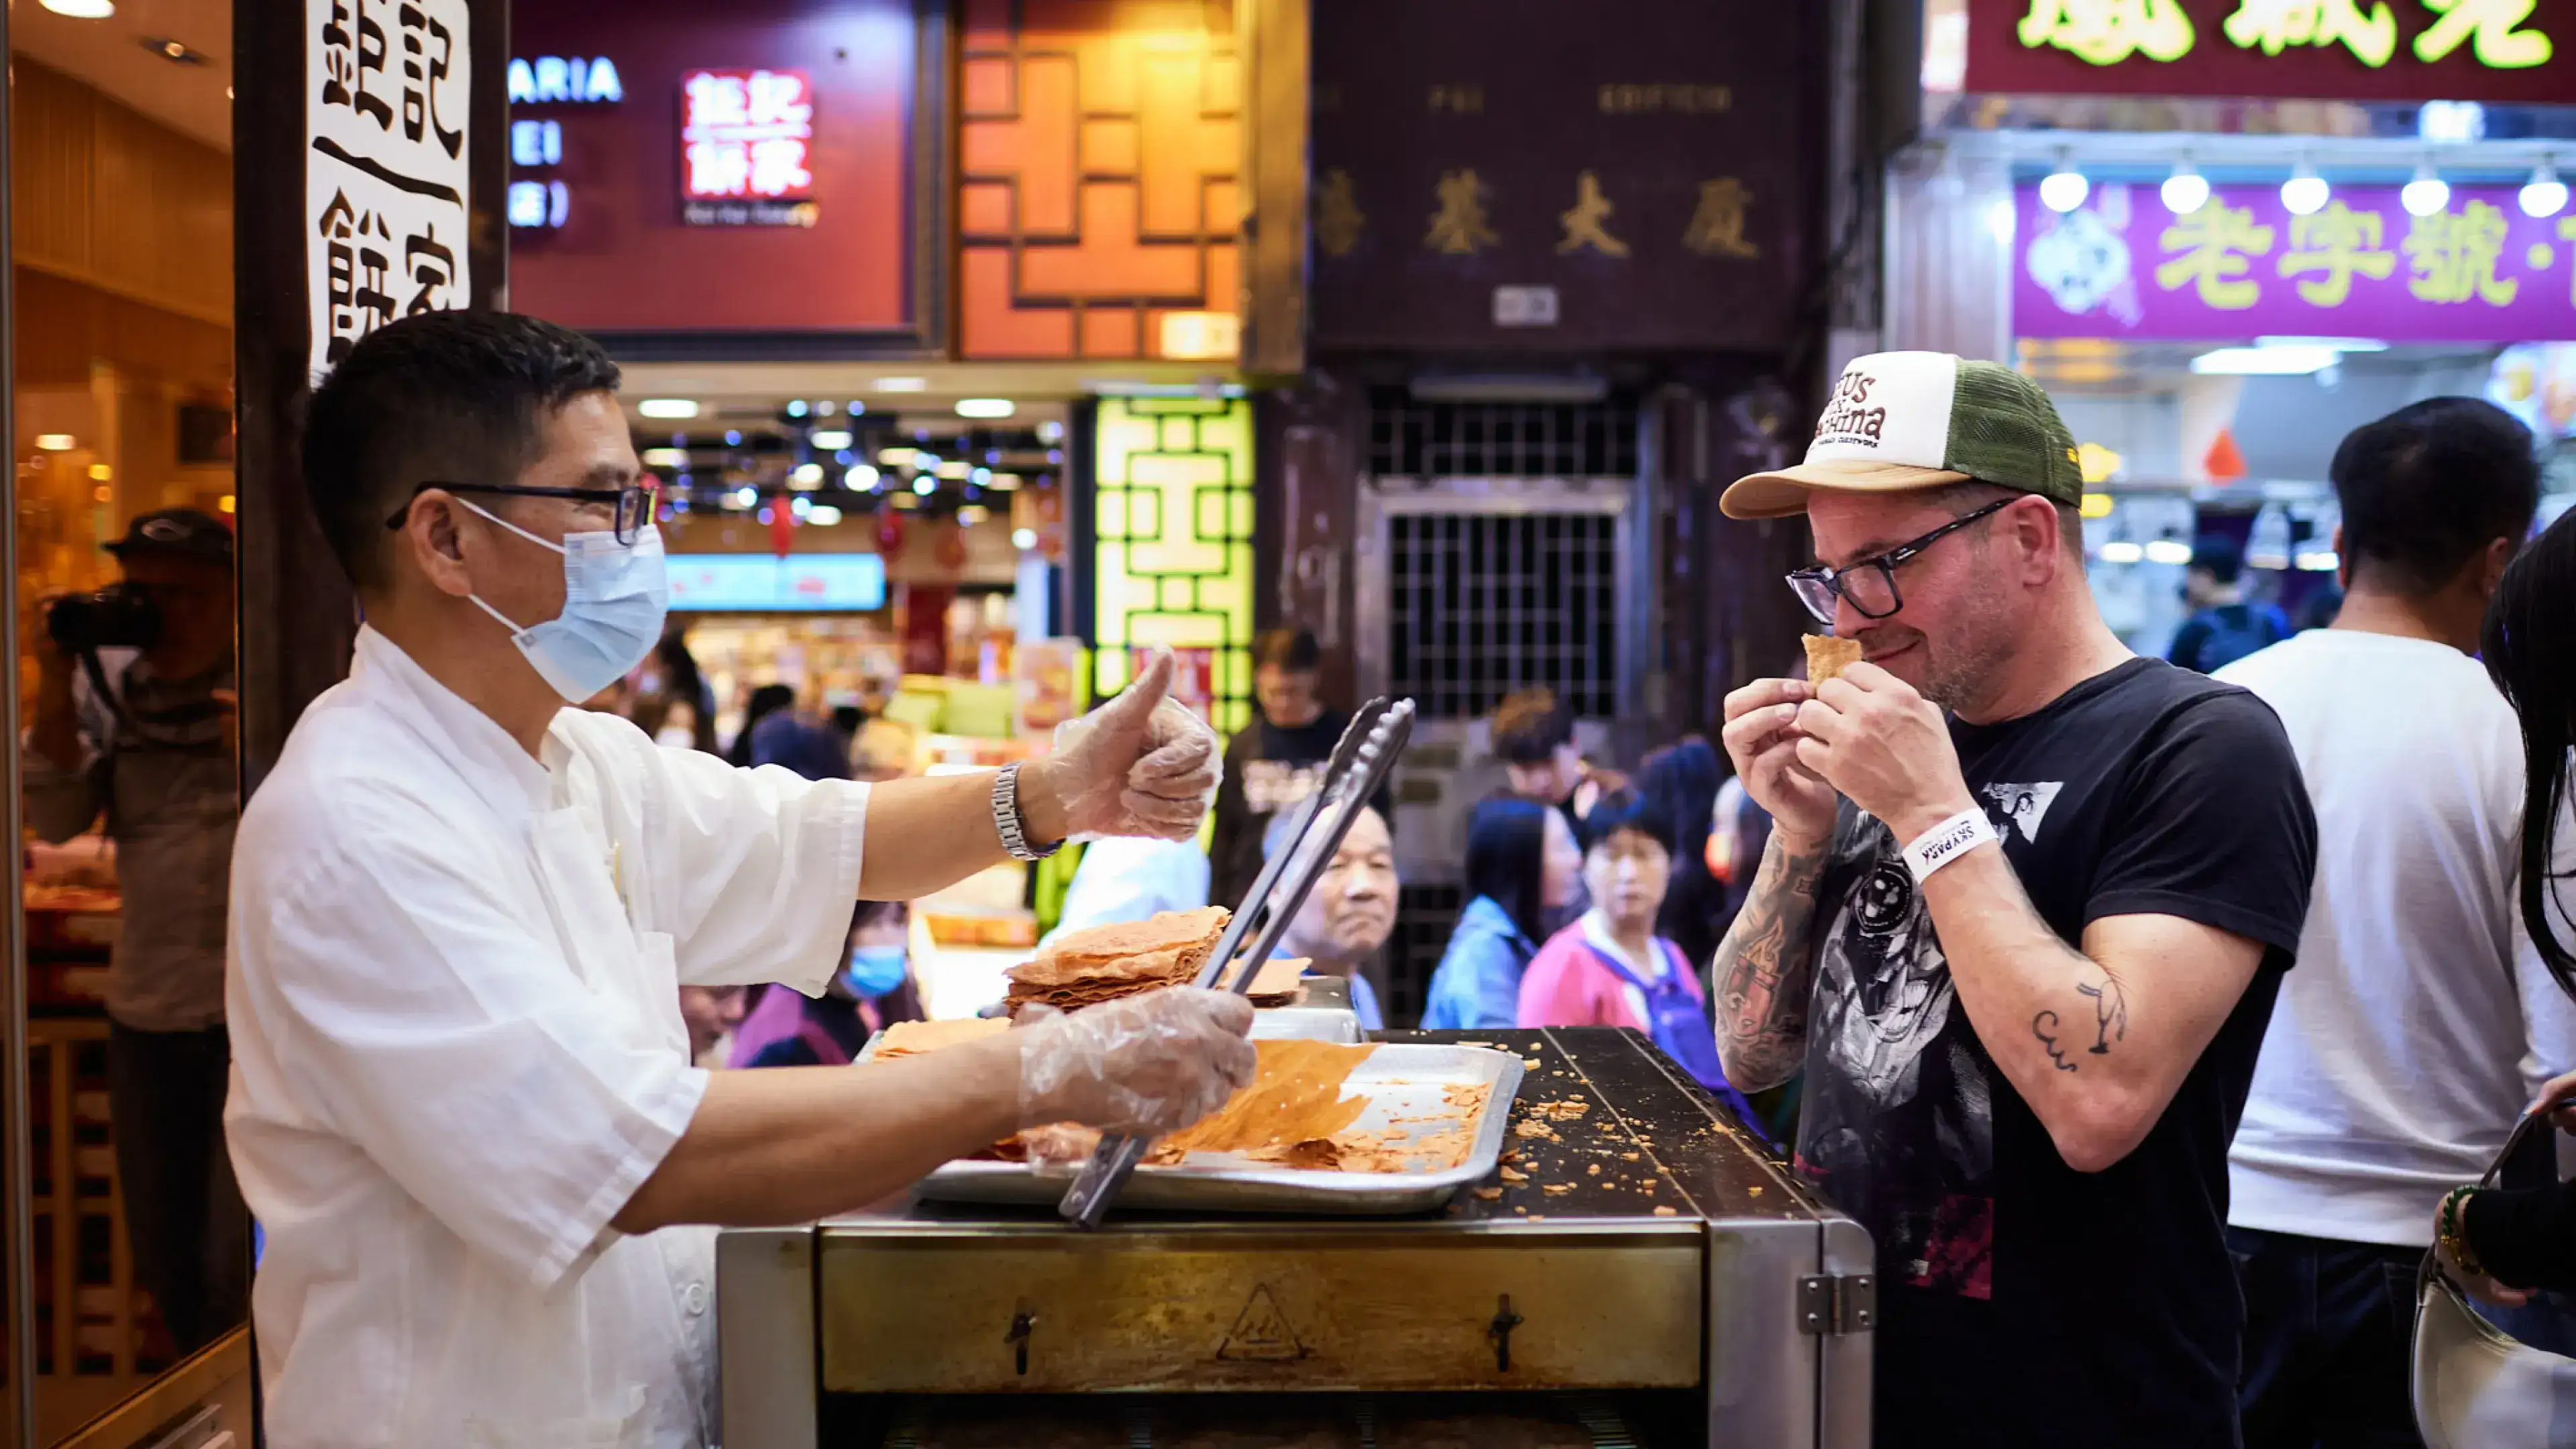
(386, 91)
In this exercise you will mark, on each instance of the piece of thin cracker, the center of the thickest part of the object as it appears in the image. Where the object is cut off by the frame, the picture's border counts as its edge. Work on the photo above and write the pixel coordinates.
(1828, 657)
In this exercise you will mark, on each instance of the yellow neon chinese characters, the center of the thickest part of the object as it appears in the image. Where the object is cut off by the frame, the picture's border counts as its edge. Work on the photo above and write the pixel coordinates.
(1338, 217)
(1717, 227)
(1458, 228)
(2106, 32)
(2490, 27)
(2339, 244)
(2216, 244)
(1587, 221)
(2452, 256)
(2278, 24)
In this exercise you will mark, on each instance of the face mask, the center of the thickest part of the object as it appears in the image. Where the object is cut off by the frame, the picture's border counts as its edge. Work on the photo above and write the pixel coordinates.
(615, 597)
(874, 970)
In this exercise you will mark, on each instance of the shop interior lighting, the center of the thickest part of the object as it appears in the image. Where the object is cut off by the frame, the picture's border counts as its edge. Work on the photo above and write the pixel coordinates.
(2427, 194)
(857, 407)
(896, 457)
(825, 410)
(2122, 553)
(2337, 344)
(2264, 361)
(667, 407)
(822, 515)
(829, 440)
(2000, 221)
(733, 438)
(742, 497)
(2065, 188)
(796, 408)
(806, 475)
(1003, 482)
(82, 9)
(801, 507)
(2186, 190)
(2546, 195)
(2097, 505)
(972, 514)
(907, 502)
(924, 485)
(2168, 551)
(903, 384)
(666, 457)
(225, 503)
(2319, 561)
(859, 479)
(954, 470)
(1050, 431)
(57, 442)
(1024, 538)
(2305, 193)
(985, 407)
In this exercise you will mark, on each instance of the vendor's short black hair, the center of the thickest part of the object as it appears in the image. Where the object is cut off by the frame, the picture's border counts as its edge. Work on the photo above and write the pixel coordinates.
(2430, 486)
(1531, 726)
(2218, 556)
(437, 397)
(1294, 650)
(1628, 810)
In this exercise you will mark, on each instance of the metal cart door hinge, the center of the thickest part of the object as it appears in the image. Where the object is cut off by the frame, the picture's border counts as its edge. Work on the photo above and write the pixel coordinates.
(1833, 1305)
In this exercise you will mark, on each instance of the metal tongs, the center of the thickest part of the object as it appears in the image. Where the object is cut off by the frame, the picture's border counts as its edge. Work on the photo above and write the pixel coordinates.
(1360, 764)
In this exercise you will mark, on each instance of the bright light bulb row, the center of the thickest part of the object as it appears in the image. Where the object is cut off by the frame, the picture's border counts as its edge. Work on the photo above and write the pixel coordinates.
(2305, 193)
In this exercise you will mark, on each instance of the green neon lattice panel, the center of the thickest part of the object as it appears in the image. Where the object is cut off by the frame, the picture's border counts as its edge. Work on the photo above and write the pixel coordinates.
(1173, 482)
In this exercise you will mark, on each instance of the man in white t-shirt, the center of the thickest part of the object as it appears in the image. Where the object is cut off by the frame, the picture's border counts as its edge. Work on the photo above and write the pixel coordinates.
(2419, 1021)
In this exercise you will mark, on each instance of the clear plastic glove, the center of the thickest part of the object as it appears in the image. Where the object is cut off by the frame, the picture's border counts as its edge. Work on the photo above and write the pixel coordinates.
(1139, 765)
(1143, 1065)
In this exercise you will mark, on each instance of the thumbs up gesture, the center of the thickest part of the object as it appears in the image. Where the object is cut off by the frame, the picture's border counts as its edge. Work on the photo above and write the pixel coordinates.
(1138, 765)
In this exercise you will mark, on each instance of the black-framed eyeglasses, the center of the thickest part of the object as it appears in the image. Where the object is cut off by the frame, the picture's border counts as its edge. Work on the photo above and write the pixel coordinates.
(634, 503)
(1869, 585)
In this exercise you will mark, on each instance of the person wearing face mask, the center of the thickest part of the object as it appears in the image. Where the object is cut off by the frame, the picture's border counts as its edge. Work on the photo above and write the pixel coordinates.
(1523, 872)
(1610, 968)
(871, 992)
(461, 1101)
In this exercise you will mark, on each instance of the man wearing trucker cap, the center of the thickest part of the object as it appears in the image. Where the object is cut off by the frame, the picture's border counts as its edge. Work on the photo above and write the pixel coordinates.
(2023, 913)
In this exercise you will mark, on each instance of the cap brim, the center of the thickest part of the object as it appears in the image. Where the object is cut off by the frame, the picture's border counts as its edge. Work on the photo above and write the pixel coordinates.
(1784, 493)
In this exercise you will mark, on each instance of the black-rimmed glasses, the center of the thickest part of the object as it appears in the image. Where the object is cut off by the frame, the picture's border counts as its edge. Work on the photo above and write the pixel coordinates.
(1869, 585)
(634, 503)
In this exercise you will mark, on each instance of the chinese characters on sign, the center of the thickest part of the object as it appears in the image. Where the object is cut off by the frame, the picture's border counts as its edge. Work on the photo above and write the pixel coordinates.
(385, 170)
(2243, 266)
(744, 139)
(2493, 50)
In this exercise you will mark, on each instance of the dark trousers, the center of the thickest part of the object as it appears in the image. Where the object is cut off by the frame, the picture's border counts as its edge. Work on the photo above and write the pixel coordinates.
(184, 1218)
(2328, 1334)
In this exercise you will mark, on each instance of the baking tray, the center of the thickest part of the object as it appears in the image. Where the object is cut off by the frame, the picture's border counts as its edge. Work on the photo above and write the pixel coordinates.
(1400, 1079)
(1322, 1012)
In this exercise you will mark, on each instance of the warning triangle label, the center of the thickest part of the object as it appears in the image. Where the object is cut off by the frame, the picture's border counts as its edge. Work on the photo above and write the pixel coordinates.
(1261, 1331)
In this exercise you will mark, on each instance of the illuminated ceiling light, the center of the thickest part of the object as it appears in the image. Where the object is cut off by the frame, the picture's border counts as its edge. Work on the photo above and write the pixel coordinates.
(57, 442)
(2097, 505)
(2305, 193)
(2319, 561)
(2122, 553)
(2427, 194)
(897, 457)
(860, 478)
(828, 440)
(2338, 344)
(857, 407)
(82, 9)
(825, 410)
(903, 384)
(822, 515)
(801, 507)
(667, 407)
(101, 472)
(666, 457)
(1003, 482)
(745, 497)
(905, 501)
(2546, 195)
(796, 409)
(924, 485)
(2186, 190)
(972, 514)
(955, 471)
(1024, 538)
(2264, 361)
(2451, 123)
(2168, 551)
(2098, 464)
(2000, 221)
(2065, 188)
(733, 438)
(806, 475)
(1050, 431)
(985, 407)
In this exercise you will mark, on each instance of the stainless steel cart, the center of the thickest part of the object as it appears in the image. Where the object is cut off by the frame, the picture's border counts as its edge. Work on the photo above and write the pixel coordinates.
(1642, 1271)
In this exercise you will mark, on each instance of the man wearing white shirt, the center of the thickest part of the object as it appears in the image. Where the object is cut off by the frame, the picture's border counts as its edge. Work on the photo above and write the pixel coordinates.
(2419, 1021)
(462, 1107)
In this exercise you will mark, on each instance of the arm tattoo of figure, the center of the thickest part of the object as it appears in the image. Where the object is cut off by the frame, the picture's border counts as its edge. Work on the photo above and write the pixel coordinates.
(1765, 970)
(2110, 1022)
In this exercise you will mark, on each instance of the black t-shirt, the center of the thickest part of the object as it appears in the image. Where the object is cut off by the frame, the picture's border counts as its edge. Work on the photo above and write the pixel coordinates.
(2023, 1302)
(1268, 768)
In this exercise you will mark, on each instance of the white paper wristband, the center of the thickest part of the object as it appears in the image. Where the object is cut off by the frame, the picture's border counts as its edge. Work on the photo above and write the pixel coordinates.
(1947, 841)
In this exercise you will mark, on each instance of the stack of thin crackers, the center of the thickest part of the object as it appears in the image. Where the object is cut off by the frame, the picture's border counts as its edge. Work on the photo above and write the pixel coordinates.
(1104, 963)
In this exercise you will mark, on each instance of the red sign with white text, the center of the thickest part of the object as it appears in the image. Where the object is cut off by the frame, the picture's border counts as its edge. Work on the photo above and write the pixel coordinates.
(745, 135)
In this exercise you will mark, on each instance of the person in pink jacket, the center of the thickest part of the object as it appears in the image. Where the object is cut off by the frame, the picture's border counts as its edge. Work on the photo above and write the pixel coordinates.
(1609, 968)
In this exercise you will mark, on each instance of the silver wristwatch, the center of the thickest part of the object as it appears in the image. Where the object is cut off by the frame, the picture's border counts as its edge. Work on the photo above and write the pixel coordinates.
(1010, 822)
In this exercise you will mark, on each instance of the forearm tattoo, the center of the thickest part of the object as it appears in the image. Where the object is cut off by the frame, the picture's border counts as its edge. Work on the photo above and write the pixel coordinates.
(1765, 971)
(2110, 1023)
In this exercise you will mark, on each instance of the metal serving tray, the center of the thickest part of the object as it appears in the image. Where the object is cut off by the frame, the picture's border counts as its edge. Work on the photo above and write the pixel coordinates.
(1400, 1079)
(1322, 1013)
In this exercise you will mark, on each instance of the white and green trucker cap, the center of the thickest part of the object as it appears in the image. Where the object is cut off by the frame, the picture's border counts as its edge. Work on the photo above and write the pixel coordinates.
(1899, 421)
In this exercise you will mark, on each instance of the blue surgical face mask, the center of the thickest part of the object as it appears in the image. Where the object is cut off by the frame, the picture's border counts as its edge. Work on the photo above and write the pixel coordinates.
(615, 597)
(874, 970)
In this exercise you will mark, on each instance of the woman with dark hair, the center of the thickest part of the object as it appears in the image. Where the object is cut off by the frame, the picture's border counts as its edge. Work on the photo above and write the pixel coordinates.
(1522, 868)
(1682, 780)
(2506, 1242)
(1610, 968)
(872, 991)
(765, 701)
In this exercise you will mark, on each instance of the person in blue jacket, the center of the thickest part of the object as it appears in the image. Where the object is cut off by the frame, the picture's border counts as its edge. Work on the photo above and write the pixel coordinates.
(1523, 871)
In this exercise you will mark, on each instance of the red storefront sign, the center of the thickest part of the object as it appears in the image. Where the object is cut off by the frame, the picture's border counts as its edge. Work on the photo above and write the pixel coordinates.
(744, 137)
(2511, 51)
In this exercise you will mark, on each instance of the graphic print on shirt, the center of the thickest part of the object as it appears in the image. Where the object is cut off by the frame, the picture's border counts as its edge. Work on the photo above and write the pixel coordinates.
(1272, 785)
(1899, 1117)
(2024, 806)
